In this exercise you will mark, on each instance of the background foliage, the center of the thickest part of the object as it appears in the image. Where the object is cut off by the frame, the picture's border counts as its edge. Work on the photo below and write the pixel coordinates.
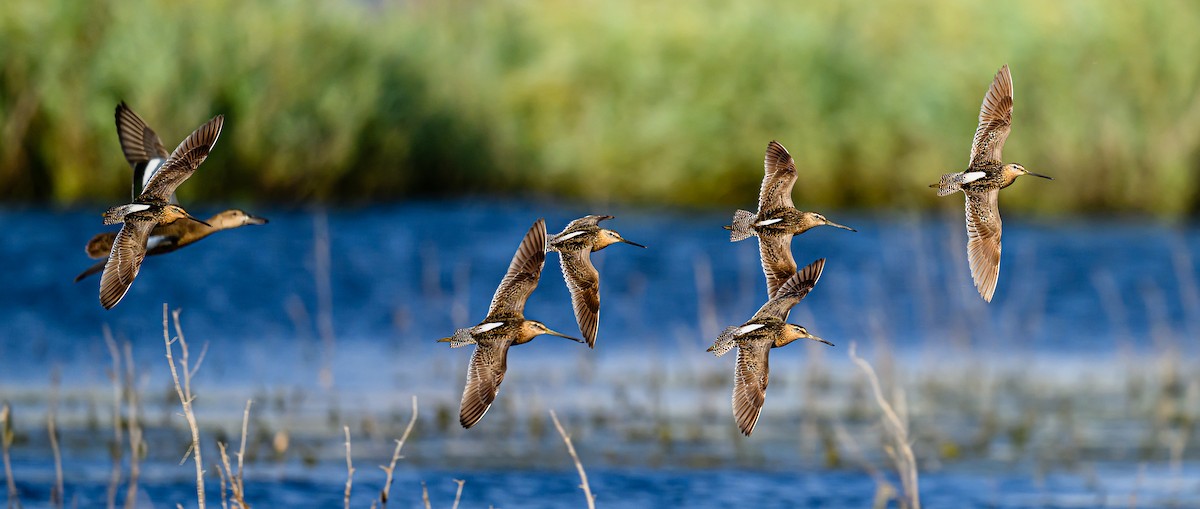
(624, 100)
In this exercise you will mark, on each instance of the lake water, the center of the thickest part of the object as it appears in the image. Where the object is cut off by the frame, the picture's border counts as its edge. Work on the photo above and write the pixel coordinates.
(1074, 388)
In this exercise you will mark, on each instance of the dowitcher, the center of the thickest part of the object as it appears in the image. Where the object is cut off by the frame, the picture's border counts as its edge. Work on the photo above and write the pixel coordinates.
(574, 245)
(504, 326)
(151, 208)
(755, 339)
(982, 181)
(145, 154)
(777, 219)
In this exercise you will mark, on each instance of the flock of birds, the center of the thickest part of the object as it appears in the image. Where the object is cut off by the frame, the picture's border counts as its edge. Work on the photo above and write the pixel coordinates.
(154, 223)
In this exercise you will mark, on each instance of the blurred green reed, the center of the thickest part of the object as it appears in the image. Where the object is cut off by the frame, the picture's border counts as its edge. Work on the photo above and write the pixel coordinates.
(623, 100)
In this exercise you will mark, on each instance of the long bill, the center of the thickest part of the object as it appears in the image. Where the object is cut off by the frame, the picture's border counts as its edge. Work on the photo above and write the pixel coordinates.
(842, 226)
(819, 340)
(632, 243)
(1032, 174)
(198, 220)
(561, 335)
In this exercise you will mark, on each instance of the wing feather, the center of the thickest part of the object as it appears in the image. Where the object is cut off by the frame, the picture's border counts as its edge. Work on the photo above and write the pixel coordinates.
(775, 251)
(522, 276)
(779, 177)
(183, 161)
(750, 384)
(791, 292)
(584, 283)
(995, 120)
(124, 261)
(484, 375)
(983, 240)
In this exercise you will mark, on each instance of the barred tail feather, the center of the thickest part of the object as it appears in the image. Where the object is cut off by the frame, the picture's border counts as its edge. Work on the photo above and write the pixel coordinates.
(742, 227)
(461, 338)
(951, 183)
(725, 342)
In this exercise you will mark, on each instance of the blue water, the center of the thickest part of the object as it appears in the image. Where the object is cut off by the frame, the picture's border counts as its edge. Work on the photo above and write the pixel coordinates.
(1071, 292)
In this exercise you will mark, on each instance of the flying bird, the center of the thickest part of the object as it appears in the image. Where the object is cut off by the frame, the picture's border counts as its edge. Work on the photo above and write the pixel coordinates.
(575, 244)
(982, 181)
(754, 340)
(777, 219)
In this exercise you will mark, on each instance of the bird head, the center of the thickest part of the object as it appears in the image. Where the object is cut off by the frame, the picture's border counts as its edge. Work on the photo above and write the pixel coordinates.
(1015, 170)
(234, 218)
(817, 219)
(609, 237)
(533, 328)
(792, 332)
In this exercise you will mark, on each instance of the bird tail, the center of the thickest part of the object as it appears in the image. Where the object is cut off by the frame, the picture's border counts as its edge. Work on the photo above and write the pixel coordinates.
(742, 227)
(951, 183)
(461, 338)
(117, 214)
(724, 342)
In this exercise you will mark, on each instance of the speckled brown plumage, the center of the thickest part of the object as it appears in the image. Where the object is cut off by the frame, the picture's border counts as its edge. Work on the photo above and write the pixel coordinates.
(574, 245)
(982, 181)
(754, 340)
(504, 327)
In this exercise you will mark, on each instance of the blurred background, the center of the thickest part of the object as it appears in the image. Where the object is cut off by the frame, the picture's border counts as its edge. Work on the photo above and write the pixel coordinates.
(401, 149)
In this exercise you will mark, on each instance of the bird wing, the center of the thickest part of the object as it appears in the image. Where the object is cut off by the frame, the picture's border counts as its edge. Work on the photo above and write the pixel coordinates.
(778, 180)
(584, 283)
(995, 119)
(775, 250)
(484, 375)
(983, 240)
(140, 144)
(792, 291)
(750, 384)
(182, 162)
(522, 276)
(128, 251)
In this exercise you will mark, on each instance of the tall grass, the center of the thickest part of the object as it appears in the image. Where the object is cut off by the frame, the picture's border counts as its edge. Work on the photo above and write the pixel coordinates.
(613, 101)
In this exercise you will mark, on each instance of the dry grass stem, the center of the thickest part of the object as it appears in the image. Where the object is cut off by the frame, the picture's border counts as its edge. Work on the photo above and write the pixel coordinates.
(114, 479)
(425, 495)
(349, 467)
(458, 494)
(6, 440)
(900, 451)
(185, 394)
(136, 443)
(56, 493)
(587, 490)
(387, 485)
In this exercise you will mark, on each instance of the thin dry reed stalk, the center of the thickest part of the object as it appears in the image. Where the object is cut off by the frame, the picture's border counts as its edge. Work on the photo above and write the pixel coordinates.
(114, 480)
(387, 485)
(136, 443)
(232, 481)
(458, 494)
(425, 495)
(6, 440)
(56, 494)
(587, 490)
(349, 467)
(185, 394)
(900, 451)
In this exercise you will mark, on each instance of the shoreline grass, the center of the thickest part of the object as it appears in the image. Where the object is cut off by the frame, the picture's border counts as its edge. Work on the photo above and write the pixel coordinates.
(374, 101)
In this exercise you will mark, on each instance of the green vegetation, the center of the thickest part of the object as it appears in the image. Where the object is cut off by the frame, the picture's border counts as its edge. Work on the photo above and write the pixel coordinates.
(649, 102)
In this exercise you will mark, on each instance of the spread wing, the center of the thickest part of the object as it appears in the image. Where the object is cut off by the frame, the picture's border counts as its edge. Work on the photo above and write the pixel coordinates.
(792, 291)
(775, 250)
(983, 240)
(779, 177)
(522, 276)
(128, 251)
(584, 283)
(484, 375)
(995, 119)
(182, 162)
(750, 384)
(140, 144)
